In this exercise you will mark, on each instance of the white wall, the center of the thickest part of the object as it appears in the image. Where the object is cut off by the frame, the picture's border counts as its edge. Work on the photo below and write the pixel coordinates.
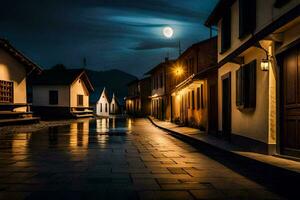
(102, 101)
(41, 95)
(266, 13)
(254, 124)
(12, 70)
(79, 88)
(113, 102)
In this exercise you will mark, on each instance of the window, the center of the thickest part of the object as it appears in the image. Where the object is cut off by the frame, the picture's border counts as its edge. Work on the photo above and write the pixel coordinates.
(247, 17)
(6, 92)
(280, 3)
(161, 80)
(100, 107)
(53, 97)
(193, 100)
(201, 97)
(189, 100)
(106, 107)
(246, 86)
(226, 31)
(198, 98)
(113, 107)
(79, 100)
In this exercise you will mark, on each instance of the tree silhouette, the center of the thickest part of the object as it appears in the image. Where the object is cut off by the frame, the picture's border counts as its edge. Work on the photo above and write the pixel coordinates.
(59, 67)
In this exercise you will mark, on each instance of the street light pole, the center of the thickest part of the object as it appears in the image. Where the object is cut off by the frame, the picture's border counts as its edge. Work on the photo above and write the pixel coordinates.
(179, 47)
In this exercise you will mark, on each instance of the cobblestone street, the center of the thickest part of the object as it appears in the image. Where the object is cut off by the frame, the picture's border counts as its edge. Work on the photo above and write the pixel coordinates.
(119, 159)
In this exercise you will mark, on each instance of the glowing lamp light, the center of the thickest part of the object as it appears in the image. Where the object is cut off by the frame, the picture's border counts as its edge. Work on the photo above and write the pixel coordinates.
(265, 64)
(178, 71)
(168, 32)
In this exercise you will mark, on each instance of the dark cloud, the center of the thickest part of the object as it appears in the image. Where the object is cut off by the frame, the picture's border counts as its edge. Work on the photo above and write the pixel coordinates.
(110, 33)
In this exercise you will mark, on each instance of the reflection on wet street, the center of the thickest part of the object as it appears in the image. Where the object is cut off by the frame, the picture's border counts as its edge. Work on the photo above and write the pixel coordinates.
(115, 158)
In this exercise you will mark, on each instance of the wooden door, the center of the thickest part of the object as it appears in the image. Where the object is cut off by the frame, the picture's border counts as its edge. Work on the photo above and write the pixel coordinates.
(290, 137)
(226, 106)
(213, 109)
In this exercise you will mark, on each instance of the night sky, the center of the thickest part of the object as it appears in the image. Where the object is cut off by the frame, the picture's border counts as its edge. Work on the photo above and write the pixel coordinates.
(119, 34)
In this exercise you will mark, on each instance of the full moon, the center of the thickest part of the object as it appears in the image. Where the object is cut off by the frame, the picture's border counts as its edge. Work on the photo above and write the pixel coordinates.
(168, 32)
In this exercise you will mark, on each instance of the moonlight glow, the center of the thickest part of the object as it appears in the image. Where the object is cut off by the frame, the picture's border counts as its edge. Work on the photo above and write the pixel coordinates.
(168, 32)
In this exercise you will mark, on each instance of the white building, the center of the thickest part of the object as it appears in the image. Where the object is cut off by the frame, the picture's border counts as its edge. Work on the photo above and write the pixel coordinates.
(102, 107)
(62, 93)
(15, 67)
(114, 105)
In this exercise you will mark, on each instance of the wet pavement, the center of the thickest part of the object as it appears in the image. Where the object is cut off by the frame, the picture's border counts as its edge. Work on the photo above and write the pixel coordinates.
(115, 159)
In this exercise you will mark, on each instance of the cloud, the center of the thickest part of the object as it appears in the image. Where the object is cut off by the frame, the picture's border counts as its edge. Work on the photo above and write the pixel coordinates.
(111, 33)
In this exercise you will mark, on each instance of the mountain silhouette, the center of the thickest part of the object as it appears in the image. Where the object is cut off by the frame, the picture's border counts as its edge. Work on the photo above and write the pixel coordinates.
(114, 80)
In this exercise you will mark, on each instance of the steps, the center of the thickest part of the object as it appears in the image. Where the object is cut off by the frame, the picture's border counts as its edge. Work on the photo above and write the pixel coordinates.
(17, 118)
(19, 121)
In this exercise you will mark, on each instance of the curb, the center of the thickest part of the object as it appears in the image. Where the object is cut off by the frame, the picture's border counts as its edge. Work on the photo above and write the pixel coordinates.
(283, 175)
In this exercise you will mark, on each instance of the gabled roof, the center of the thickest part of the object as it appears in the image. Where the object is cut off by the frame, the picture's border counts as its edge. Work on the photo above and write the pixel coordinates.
(220, 9)
(29, 64)
(169, 62)
(115, 98)
(62, 77)
(104, 92)
(197, 46)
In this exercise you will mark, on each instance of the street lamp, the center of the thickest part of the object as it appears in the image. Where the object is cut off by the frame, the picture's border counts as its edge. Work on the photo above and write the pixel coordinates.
(178, 71)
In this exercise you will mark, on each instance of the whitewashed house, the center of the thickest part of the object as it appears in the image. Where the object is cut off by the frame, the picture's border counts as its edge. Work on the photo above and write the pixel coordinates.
(114, 105)
(14, 70)
(102, 107)
(62, 93)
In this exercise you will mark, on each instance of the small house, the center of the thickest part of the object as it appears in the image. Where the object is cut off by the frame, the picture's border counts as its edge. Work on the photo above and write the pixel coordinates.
(114, 105)
(14, 70)
(102, 107)
(62, 93)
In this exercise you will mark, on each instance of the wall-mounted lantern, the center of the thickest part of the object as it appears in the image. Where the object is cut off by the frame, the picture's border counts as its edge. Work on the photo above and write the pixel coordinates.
(265, 64)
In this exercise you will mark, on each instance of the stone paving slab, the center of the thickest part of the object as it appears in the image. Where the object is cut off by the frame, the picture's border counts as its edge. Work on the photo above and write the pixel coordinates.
(144, 163)
(202, 136)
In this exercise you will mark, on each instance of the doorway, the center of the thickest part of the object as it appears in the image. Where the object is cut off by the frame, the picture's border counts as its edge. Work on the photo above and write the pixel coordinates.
(226, 106)
(290, 98)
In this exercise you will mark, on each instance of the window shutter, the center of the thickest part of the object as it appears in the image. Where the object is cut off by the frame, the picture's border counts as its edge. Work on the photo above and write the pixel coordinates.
(246, 86)
(201, 95)
(198, 98)
(242, 18)
(280, 3)
(193, 100)
(239, 88)
(189, 100)
(251, 16)
(247, 17)
(226, 31)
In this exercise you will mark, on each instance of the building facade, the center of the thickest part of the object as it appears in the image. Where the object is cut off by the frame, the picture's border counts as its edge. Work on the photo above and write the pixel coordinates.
(62, 93)
(114, 105)
(161, 78)
(138, 99)
(15, 67)
(258, 47)
(103, 105)
(194, 98)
